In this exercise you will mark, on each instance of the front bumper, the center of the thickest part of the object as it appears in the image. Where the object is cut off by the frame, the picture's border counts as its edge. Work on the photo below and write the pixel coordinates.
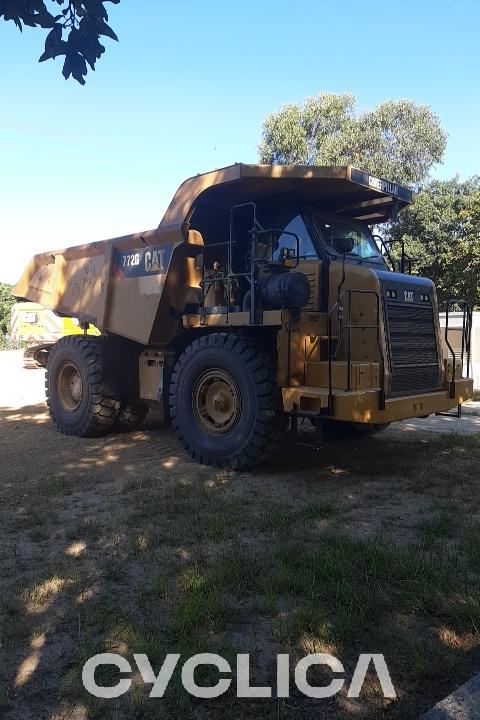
(363, 406)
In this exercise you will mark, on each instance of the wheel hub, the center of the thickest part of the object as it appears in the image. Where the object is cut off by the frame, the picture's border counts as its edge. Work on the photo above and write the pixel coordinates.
(216, 402)
(70, 387)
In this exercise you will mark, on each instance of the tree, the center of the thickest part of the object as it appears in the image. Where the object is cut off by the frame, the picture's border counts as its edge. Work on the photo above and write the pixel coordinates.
(74, 33)
(442, 229)
(398, 140)
(6, 302)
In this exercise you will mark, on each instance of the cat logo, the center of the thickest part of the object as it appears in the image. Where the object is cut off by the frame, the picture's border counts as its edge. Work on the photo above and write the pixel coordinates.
(154, 261)
(408, 294)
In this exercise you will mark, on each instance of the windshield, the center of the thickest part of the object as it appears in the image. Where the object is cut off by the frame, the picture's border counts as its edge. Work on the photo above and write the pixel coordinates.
(364, 246)
(289, 220)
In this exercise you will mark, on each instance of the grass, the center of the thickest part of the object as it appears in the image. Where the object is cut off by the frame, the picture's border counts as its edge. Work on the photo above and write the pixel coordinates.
(186, 562)
(440, 460)
(88, 527)
(319, 511)
(56, 486)
(198, 608)
(471, 546)
(441, 527)
(345, 585)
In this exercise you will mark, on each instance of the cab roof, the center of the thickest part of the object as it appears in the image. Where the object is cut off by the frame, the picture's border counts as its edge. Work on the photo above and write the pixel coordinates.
(342, 189)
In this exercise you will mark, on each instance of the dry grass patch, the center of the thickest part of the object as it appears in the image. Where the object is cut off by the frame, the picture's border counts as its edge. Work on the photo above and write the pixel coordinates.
(364, 547)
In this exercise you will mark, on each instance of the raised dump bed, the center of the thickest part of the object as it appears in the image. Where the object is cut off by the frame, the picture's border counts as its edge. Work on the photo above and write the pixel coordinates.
(88, 282)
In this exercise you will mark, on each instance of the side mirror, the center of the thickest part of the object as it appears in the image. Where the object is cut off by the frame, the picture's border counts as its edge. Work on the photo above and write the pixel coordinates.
(287, 254)
(343, 245)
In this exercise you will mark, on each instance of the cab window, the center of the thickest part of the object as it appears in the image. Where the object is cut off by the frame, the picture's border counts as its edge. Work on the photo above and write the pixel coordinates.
(306, 248)
(363, 244)
(290, 221)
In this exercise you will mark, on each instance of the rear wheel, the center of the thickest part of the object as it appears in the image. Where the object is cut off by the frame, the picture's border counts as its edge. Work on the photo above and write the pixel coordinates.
(74, 388)
(36, 357)
(224, 402)
(132, 414)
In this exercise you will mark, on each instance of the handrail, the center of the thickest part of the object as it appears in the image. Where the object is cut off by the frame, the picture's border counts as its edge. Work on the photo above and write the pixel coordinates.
(350, 326)
(406, 260)
(467, 310)
(386, 251)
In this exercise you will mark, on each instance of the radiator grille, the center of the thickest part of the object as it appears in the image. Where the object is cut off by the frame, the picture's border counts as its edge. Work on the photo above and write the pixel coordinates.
(412, 349)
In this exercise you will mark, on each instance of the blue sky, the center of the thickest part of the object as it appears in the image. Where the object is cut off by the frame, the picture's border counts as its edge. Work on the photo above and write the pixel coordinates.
(186, 90)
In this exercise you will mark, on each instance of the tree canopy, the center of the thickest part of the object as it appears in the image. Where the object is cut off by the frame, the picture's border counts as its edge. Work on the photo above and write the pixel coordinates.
(398, 140)
(6, 303)
(442, 229)
(75, 28)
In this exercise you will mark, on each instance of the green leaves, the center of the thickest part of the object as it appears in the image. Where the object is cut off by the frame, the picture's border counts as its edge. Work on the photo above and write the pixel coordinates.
(75, 66)
(26, 12)
(54, 45)
(74, 33)
(6, 303)
(400, 141)
(397, 140)
(442, 229)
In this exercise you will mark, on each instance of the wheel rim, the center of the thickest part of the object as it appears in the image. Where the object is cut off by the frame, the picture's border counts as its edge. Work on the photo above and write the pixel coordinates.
(70, 387)
(216, 402)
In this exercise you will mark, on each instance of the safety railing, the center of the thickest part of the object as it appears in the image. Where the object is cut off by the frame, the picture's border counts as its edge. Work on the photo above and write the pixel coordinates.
(350, 326)
(466, 328)
(405, 262)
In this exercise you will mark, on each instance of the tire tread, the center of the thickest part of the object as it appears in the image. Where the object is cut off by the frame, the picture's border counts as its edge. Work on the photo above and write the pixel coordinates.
(102, 410)
(270, 422)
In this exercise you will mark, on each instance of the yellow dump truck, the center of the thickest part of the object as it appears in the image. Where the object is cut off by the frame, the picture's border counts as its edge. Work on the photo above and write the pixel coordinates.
(36, 328)
(262, 297)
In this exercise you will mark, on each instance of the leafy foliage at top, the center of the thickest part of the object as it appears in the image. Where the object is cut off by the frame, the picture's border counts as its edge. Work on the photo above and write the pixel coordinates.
(442, 229)
(76, 27)
(398, 140)
(6, 302)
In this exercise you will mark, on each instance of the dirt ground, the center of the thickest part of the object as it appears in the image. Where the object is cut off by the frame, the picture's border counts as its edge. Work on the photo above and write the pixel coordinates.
(124, 544)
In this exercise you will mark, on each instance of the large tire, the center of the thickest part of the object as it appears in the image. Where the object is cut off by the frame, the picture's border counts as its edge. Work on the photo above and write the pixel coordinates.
(224, 402)
(36, 357)
(74, 387)
(132, 414)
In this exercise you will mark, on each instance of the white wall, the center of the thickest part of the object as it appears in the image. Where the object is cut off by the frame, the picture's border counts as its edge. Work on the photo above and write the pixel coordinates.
(455, 320)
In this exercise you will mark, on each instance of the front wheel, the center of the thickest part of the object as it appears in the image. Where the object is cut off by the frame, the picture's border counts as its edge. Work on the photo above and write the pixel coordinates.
(224, 403)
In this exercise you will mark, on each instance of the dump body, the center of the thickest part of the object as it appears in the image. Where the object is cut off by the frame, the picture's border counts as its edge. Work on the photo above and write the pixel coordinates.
(129, 285)
(118, 285)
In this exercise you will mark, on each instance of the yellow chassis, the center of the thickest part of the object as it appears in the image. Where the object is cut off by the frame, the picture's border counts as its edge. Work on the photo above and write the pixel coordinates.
(363, 406)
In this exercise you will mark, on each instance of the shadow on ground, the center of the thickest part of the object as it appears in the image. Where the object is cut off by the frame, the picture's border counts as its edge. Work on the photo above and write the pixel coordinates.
(123, 544)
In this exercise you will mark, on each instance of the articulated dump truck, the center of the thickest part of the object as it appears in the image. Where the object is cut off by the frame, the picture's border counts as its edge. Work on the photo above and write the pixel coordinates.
(36, 328)
(262, 298)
